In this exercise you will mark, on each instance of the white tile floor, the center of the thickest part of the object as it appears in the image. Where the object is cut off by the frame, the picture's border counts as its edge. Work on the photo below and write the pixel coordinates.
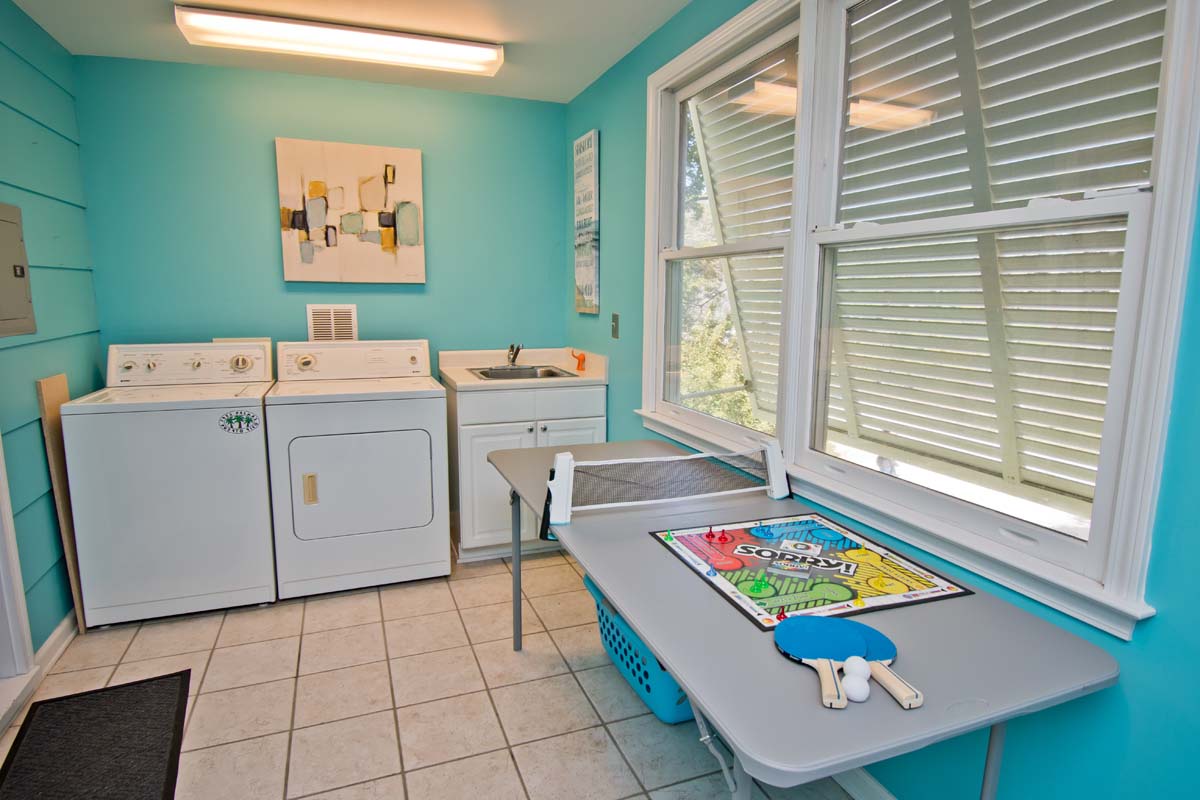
(411, 690)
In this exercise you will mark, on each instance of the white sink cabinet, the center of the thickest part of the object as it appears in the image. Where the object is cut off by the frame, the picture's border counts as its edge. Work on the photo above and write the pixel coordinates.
(483, 420)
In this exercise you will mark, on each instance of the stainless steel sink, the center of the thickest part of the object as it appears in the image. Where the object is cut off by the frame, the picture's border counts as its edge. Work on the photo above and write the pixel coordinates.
(521, 372)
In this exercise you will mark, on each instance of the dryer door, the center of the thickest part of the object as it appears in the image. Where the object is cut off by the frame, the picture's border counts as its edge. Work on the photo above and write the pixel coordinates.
(352, 483)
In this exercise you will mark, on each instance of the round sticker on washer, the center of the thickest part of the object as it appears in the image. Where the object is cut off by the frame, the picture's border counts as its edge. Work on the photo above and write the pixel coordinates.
(238, 421)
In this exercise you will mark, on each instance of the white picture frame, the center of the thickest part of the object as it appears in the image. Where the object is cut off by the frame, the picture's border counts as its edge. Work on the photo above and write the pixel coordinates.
(587, 223)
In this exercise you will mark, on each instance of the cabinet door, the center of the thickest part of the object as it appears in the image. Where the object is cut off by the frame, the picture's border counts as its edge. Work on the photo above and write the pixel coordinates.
(484, 514)
(559, 432)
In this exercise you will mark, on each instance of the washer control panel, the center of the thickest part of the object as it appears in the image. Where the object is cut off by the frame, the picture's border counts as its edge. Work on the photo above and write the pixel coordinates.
(204, 362)
(306, 361)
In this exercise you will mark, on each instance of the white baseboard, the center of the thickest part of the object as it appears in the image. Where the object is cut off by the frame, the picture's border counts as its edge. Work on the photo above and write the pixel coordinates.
(859, 784)
(16, 691)
(57, 642)
(467, 555)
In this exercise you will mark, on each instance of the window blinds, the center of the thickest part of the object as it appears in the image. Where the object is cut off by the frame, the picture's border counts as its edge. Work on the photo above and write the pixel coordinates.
(989, 350)
(1012, 99)
(745, 130)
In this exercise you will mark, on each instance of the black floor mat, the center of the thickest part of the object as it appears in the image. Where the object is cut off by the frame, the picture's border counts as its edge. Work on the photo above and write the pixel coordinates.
(119, 743)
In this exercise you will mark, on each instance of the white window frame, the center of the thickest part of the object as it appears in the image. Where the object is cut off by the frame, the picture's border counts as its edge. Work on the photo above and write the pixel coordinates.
(1104, 587)
(758, 30)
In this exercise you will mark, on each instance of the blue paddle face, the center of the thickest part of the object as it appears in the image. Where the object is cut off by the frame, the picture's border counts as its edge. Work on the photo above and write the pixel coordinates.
(801, 638)
(879, 646)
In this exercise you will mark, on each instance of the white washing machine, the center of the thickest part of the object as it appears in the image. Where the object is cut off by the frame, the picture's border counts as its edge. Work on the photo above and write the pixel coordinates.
(168, 475)
(356, 433)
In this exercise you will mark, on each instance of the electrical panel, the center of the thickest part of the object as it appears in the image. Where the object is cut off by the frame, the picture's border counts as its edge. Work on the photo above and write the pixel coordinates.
(16, 299)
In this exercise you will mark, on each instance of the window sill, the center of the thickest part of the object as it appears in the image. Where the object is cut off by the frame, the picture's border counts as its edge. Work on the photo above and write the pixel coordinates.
(700, 437)
(1051, 585)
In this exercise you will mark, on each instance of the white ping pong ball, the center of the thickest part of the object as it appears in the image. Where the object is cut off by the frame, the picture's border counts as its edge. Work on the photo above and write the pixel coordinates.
(857, 688)
(856, 665)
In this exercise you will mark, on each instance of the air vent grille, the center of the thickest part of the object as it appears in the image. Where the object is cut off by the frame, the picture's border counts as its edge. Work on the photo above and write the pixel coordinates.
(332, 323)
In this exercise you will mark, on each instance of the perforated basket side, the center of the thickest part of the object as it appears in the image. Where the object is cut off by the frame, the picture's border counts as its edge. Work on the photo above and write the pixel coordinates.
(637, 663)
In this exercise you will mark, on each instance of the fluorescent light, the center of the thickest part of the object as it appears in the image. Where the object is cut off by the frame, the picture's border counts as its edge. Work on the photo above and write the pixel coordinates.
(780, 99)
(233, 29)
(769, 98)
(887, 116)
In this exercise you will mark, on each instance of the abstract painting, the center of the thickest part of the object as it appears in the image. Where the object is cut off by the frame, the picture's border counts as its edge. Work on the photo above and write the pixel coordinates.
(350, 213)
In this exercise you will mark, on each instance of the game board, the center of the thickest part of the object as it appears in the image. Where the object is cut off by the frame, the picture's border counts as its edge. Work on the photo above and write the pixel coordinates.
(802, 566)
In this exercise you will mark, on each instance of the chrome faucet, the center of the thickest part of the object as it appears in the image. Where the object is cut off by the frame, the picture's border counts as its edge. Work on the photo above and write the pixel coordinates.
(514, 350)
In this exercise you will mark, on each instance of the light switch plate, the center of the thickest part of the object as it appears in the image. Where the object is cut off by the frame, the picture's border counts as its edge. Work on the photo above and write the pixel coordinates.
(616, 326)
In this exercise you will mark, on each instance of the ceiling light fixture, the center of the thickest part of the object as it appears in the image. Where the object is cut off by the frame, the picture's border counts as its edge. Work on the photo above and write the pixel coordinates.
(888, 116)
(212, 28)
(780, 99)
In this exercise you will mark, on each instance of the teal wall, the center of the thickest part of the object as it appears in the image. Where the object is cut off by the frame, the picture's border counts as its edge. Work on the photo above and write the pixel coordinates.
(1136, 740)
(615, 104)
(179, 166)
(39, 171)
(178, 163)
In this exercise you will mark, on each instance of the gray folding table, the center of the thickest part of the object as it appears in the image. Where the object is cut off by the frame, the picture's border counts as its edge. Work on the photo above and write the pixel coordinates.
(979, 660)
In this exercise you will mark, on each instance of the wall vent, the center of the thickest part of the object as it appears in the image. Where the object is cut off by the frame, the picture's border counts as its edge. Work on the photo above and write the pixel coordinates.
(332, 323)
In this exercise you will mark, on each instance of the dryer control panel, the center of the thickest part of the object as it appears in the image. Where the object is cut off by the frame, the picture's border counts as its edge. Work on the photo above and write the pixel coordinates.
(306, 361)
(174, 364)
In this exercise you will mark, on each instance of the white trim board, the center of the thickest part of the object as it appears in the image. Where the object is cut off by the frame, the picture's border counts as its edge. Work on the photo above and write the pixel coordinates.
(746, 29)
(16, 643)
(15, 692)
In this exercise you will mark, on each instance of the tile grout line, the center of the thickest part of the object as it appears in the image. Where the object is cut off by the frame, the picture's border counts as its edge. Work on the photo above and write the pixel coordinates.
(410, 705)
(203, 674)
(491, 700)
(415, 769)
(287, 757)
(605, 724)
(392, 692)
(406, 705)
(351, 786)
(470, 642)
(596, 711)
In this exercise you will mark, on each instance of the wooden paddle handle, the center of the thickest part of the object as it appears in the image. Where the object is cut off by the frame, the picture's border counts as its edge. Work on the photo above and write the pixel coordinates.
(907, 695)
(832, 694)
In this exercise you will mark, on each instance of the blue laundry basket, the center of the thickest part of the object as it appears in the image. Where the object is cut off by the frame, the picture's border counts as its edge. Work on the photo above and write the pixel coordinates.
(652, 683)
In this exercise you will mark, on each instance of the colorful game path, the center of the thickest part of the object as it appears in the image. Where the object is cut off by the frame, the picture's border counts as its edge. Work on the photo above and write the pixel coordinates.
(806, 565)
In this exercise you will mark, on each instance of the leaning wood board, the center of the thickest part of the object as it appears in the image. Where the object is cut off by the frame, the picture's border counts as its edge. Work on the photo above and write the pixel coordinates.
(52, 393)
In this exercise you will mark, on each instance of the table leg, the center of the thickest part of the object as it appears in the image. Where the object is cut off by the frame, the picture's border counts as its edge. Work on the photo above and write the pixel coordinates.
(515, 502)
(991, 768)
(744, 785)
(740, 784)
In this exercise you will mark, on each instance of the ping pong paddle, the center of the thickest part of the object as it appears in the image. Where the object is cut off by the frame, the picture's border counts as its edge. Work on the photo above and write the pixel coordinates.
(822, 643)
(881, 652)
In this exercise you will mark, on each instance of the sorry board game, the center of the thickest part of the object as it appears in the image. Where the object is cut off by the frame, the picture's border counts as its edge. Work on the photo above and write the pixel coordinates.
(805, 565)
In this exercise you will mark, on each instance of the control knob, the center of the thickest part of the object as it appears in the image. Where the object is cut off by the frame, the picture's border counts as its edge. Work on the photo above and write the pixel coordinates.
(151, 366)
(306, 362)
(240, 363)
(129, 366)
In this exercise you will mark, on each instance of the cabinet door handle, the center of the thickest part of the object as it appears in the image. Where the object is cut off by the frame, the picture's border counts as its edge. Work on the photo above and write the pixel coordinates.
(310, 488)
(543, 428)
(529, 429)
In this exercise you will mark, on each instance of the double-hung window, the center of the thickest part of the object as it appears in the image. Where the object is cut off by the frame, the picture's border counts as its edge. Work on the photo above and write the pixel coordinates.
(724, 237)
(926, 244)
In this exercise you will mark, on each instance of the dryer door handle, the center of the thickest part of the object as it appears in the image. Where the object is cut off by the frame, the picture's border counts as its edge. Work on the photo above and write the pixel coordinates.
(310, 488)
